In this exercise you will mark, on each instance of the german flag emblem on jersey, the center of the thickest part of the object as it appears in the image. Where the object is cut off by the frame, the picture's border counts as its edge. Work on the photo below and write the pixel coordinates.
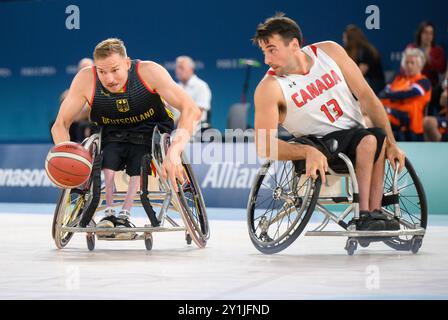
(122, 105)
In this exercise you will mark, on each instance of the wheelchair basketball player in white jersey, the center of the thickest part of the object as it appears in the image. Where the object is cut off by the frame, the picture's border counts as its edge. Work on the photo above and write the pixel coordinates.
(319, 91)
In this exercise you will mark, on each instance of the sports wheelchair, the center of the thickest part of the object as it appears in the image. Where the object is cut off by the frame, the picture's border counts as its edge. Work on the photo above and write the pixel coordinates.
(76, 208)
(282, 201)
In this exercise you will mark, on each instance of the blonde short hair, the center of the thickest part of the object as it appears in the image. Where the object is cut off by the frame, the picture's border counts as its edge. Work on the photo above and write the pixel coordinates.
(413, 52)
(109, 46)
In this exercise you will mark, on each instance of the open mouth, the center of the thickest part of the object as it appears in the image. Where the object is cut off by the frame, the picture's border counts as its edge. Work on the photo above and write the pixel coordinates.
(113, 87)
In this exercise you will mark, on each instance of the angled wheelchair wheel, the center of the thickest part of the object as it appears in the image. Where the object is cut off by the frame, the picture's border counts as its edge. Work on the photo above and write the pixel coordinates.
(280, 205)
(189, 198)
(410, 202)
(192, 202)
(67, 214)
(73, 203)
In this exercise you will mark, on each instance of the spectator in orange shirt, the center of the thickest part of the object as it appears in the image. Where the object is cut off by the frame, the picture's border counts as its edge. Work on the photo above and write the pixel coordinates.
(406, 98)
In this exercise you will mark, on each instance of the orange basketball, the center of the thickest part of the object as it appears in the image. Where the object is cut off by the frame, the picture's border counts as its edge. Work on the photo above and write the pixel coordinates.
(68, 165)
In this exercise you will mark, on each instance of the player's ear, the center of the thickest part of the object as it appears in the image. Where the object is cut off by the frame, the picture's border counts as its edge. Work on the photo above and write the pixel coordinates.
(128, 62)
(295, 44)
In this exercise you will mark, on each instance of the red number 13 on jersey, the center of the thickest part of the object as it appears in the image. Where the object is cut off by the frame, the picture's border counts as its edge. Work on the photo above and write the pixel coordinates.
(337, 111)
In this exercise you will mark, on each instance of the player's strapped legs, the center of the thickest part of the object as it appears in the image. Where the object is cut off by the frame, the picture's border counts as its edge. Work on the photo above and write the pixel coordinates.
(377, 182)
(348, 141)
(114, 154)
(366, 149)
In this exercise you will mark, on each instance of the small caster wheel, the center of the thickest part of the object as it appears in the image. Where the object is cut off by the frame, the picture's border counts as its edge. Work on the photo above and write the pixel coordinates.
(148, 241)
(364, 243)
(188, 238)
(351, 246)
(416, 243)
(90, 241)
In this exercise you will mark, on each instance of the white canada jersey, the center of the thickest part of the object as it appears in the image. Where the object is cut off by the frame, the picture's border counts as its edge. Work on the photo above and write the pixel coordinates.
(320, 101)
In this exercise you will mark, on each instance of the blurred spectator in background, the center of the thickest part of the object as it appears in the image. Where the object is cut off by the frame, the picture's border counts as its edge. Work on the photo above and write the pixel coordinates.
(81, 127)
(85, 62)
(436, 123)
(406, 98)
(435, 56)
(196, 88)
(365, 55)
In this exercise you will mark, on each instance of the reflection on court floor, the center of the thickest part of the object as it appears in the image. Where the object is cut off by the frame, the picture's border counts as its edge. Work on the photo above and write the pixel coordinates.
(228, 268)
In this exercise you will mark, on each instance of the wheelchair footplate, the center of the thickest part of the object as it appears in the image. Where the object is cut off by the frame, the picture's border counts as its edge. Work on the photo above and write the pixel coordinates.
(146, 228)
(119, 234)
(368, 234)
(364, 238)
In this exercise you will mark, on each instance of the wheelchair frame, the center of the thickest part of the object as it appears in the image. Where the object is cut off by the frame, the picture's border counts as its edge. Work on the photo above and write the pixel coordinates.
(94, 202)
(351, 197)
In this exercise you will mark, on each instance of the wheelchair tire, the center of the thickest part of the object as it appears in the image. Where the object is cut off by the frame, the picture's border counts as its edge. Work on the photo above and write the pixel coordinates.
(412, 203)
(67, 213)
(73, 203)
(298, 208)
(189, 199)
(193, 208)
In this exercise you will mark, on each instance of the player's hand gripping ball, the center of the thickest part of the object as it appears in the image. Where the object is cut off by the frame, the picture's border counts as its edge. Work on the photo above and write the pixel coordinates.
(68, 165)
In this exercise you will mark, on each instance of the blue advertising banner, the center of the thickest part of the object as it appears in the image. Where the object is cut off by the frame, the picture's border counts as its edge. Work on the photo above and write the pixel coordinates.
(225, 172)
(22, 174)
(221, 169)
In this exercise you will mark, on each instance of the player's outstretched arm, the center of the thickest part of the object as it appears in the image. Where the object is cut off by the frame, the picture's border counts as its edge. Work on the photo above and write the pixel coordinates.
(72, 105)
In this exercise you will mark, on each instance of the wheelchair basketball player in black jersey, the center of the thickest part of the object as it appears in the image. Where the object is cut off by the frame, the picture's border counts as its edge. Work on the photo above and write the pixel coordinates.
(125, 99)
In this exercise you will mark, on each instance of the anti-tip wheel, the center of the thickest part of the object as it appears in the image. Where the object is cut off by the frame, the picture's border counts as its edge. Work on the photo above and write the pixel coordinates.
(90, 238)
(364, 243)
(351, 246)
(188, 238)
(148, 241)
(416, 244)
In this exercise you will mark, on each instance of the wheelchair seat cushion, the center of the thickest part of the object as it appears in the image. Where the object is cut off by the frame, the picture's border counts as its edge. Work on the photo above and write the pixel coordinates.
(326, 147)
(342, 141)
(348, 140)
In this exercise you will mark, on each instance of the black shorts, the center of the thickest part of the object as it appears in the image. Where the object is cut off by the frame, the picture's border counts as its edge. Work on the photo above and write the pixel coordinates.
(349, 139)
(121, 155)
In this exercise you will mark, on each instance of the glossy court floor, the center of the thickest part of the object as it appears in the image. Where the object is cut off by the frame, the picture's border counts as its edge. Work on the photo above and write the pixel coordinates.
(228, 268)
